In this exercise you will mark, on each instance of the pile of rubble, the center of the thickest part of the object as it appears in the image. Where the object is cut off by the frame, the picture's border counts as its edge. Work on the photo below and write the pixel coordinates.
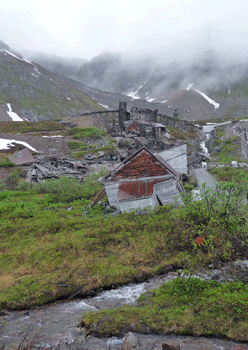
(44, 169)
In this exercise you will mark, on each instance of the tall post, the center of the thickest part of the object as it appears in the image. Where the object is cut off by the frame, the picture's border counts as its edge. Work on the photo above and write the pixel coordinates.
(122, 114)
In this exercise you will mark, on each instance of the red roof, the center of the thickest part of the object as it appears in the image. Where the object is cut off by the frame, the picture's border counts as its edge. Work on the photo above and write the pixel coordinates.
(136, 189)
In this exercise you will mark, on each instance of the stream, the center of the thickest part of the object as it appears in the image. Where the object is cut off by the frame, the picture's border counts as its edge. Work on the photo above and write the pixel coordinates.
(54, 326)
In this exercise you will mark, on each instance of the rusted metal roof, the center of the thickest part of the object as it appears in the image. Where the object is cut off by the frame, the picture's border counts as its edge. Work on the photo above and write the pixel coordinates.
(165, 188)
(135, 189)
(22, 157)
(131, 125)
(166, 165)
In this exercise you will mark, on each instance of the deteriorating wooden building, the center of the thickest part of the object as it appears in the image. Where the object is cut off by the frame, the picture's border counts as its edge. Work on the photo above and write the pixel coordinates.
(142, 180)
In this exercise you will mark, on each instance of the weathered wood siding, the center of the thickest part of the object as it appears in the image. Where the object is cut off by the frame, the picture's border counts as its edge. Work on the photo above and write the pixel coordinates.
(142, 165)
(126, 206)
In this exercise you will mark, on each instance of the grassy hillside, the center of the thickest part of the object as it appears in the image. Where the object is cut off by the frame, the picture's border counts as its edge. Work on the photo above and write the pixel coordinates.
(50, 252)
(26, 127)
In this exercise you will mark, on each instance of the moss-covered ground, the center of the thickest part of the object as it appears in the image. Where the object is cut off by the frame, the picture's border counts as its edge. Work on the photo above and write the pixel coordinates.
(25, 127)
(183, 306)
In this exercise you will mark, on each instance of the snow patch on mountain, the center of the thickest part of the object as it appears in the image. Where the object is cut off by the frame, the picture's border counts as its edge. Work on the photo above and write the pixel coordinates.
(36, 76)
(135, 95)
(7, 144)
(105, 106)
(36, 70)
(150, 99)
(19, 58)
(212, 102)
(15, 117)
(189, 86)
(216, 105)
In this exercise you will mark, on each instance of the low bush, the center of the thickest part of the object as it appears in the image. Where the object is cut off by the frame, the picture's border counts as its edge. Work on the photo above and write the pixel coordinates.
(76, 145)
(228, 173)
(43, 243)
(68, 190)
(5, 163)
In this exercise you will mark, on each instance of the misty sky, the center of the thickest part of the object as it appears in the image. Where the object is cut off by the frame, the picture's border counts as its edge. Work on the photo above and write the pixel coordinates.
(85, 28)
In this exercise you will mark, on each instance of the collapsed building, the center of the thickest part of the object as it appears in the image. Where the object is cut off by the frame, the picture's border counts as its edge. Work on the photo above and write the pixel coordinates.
(143, 180)
(55, 168)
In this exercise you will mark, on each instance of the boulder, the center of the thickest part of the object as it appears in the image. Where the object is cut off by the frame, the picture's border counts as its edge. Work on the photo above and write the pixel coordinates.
(130, 342)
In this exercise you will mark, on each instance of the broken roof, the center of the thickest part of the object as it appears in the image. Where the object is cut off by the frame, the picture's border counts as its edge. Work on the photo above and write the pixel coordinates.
(176, 157)
(22, 157)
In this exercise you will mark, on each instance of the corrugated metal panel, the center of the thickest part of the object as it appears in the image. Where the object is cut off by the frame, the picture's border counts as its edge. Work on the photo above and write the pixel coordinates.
(167, 192)
(136, 189)
(111, 189)
(176, 157)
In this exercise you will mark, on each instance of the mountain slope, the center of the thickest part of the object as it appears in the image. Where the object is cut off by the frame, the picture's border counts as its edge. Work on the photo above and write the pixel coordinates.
(193, 104)
(35, 92)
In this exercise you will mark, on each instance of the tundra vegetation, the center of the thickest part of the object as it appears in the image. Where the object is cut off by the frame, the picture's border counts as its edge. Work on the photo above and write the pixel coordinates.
(228, 150)
(26, 127)
(53, 247)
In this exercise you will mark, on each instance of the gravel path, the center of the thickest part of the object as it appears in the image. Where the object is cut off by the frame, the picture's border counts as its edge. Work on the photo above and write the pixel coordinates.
(203, 176)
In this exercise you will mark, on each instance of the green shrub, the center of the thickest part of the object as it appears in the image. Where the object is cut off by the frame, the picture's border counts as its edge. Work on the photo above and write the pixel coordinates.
(76, 145)
(6, 163)
(228, 173)
(68, 190)
(82, 133)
